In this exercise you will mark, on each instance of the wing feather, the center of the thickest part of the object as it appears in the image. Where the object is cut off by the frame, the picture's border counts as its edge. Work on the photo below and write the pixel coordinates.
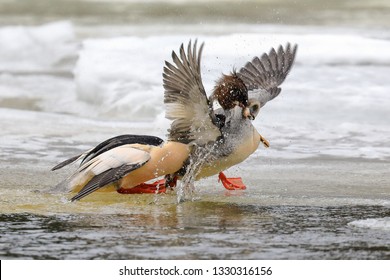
(263, 76)
(186, 102)
(110, 144)
(66, 162)
(105, 178)
(106, 168)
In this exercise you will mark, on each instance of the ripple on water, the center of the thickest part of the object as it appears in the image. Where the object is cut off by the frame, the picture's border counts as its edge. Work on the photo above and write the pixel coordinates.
(374, 223)
(199, 230)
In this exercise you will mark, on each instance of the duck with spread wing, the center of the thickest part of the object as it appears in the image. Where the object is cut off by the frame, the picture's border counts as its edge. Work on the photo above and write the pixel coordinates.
(200, 137)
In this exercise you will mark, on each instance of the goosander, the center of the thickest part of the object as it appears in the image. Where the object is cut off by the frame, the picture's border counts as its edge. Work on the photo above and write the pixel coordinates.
(218, 138)
(260, 78)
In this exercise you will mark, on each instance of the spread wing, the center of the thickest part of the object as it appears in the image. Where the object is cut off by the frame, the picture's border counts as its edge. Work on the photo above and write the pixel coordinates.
(186, 100)
(263, 76)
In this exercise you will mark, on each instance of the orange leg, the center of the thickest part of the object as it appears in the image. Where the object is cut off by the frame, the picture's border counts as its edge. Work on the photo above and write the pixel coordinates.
(231, 183)
(159, 186)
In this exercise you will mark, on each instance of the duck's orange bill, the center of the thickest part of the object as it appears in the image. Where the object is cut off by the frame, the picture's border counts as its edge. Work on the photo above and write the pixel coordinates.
(155, 187)
(231, 183)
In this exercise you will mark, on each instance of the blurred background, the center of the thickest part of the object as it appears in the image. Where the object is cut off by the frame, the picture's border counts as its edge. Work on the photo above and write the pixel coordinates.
(347, 13)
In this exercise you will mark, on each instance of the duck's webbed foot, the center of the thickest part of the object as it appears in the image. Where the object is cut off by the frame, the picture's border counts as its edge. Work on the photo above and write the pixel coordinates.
(159, 186)
(155, 187)
(231, 183)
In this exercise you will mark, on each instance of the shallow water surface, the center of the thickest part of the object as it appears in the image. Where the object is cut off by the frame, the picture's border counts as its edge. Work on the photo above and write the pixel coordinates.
(284, 217)
(199, 230)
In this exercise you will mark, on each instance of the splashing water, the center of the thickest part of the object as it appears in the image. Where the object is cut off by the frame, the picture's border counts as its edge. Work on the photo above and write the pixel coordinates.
(186, 189)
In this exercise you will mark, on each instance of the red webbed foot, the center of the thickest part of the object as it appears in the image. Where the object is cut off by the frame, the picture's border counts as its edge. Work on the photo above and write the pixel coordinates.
(159, 186)
(155, 187)
(231, 183)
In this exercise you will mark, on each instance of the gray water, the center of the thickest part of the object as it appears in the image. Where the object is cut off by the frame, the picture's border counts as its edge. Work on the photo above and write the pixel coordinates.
(74, 73)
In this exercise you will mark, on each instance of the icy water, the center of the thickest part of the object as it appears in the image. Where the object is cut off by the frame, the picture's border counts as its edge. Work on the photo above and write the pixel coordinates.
(74, 73)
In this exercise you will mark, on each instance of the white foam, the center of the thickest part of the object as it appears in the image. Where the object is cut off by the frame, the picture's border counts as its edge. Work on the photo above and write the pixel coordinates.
(123, 75)
(314, 49)
(377, 224)
(37, 48)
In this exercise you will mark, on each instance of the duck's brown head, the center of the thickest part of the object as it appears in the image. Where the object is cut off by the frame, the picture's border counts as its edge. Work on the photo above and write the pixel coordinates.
(231, 91)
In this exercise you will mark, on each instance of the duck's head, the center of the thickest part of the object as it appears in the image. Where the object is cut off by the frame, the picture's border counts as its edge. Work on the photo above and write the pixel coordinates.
(230, 91)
